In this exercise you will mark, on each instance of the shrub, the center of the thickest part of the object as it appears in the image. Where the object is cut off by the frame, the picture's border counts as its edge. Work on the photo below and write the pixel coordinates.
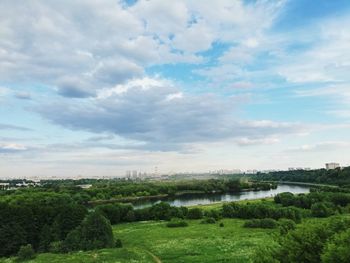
(56, 247)
(322, 209)
(208, 220)
(118, 243)
(286, 199)
(195, 213)
(268, 223)
(26, 253)
(253, 223)
(285, 225)
(221, 224)
(213, 213)
(177, 223)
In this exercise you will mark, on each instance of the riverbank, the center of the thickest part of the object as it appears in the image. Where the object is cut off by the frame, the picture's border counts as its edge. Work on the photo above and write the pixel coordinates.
(302, 184)
(218, 205)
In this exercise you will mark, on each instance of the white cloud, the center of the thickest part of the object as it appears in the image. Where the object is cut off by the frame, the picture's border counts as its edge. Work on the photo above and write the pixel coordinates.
(156, 112)
(11, 147)
(327, 57)
(326, 146)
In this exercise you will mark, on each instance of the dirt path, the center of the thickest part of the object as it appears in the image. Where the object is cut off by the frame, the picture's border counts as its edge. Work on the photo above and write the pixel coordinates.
(155, 258)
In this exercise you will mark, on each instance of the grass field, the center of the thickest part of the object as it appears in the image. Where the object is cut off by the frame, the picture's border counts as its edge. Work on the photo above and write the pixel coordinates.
(154, 242)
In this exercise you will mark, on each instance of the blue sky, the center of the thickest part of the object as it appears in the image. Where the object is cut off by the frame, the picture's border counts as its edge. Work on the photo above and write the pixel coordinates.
(95, 88)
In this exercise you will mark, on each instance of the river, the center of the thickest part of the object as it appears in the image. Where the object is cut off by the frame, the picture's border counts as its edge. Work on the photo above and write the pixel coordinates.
(204, 199)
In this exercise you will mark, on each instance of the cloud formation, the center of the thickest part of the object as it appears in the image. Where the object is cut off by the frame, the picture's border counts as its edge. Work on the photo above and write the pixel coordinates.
(155, 112)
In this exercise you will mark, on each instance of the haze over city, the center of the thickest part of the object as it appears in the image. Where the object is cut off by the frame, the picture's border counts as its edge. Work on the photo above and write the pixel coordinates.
(97, 88)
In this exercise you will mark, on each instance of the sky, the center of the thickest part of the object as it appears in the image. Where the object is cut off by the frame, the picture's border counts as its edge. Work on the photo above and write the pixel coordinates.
(96, 88)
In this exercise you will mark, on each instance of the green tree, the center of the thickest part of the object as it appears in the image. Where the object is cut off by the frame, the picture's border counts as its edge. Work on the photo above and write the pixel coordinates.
(12, 236)
(73, 240)
(338, 250)
(322, 209)
(96, 232)
(45, 238)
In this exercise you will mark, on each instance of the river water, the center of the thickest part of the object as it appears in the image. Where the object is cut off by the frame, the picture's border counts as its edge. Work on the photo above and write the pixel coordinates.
(204, 199)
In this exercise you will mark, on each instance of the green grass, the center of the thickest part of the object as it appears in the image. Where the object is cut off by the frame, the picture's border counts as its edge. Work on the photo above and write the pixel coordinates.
(152, 241)
(197, 242)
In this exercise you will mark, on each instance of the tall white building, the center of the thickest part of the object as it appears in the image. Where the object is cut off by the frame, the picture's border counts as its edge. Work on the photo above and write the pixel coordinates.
(330, 166)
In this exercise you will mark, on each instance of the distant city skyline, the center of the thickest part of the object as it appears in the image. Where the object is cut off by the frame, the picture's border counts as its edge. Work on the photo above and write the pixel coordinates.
(96, 88)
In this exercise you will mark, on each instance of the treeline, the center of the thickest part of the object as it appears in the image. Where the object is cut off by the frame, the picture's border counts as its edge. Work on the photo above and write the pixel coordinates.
(119, 189)
(339, 176)
(321, 204)
(260, 211)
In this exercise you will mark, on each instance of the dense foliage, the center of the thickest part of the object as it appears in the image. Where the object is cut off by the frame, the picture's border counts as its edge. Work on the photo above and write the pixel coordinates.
(260, 211)
(340, 176)
(313, 242)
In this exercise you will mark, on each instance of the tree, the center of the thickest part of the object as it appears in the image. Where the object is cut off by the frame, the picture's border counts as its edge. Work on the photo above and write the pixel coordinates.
(12, 237)
(73, 240)
(45, 238)
(338, 249)
(68, 219)
(96, 232)
(26, 253)
(111, 212)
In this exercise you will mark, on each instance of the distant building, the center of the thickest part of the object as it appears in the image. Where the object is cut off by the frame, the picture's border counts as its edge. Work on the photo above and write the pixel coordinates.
(330, 166)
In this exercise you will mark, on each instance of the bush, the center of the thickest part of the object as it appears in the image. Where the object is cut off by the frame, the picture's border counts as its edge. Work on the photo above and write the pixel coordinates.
(268, 223)
(285, 225)
(286, 199)
(195, 213)
(26, 253)
(56, 247)
(261, 210)
(118, 243)
(322, 209)
(177, 223)
(213, 213)
(253, 223)
(208, 220)
(221, 224)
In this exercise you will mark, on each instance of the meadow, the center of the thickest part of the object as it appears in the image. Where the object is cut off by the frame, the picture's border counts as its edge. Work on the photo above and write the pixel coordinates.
(152, 241)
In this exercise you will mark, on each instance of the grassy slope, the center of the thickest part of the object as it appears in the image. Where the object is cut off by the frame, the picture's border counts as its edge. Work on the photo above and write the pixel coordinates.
(196, 243)
(149, 241)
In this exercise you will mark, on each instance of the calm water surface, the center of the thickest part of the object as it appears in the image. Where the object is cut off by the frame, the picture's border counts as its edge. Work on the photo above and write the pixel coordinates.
(204, 199)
